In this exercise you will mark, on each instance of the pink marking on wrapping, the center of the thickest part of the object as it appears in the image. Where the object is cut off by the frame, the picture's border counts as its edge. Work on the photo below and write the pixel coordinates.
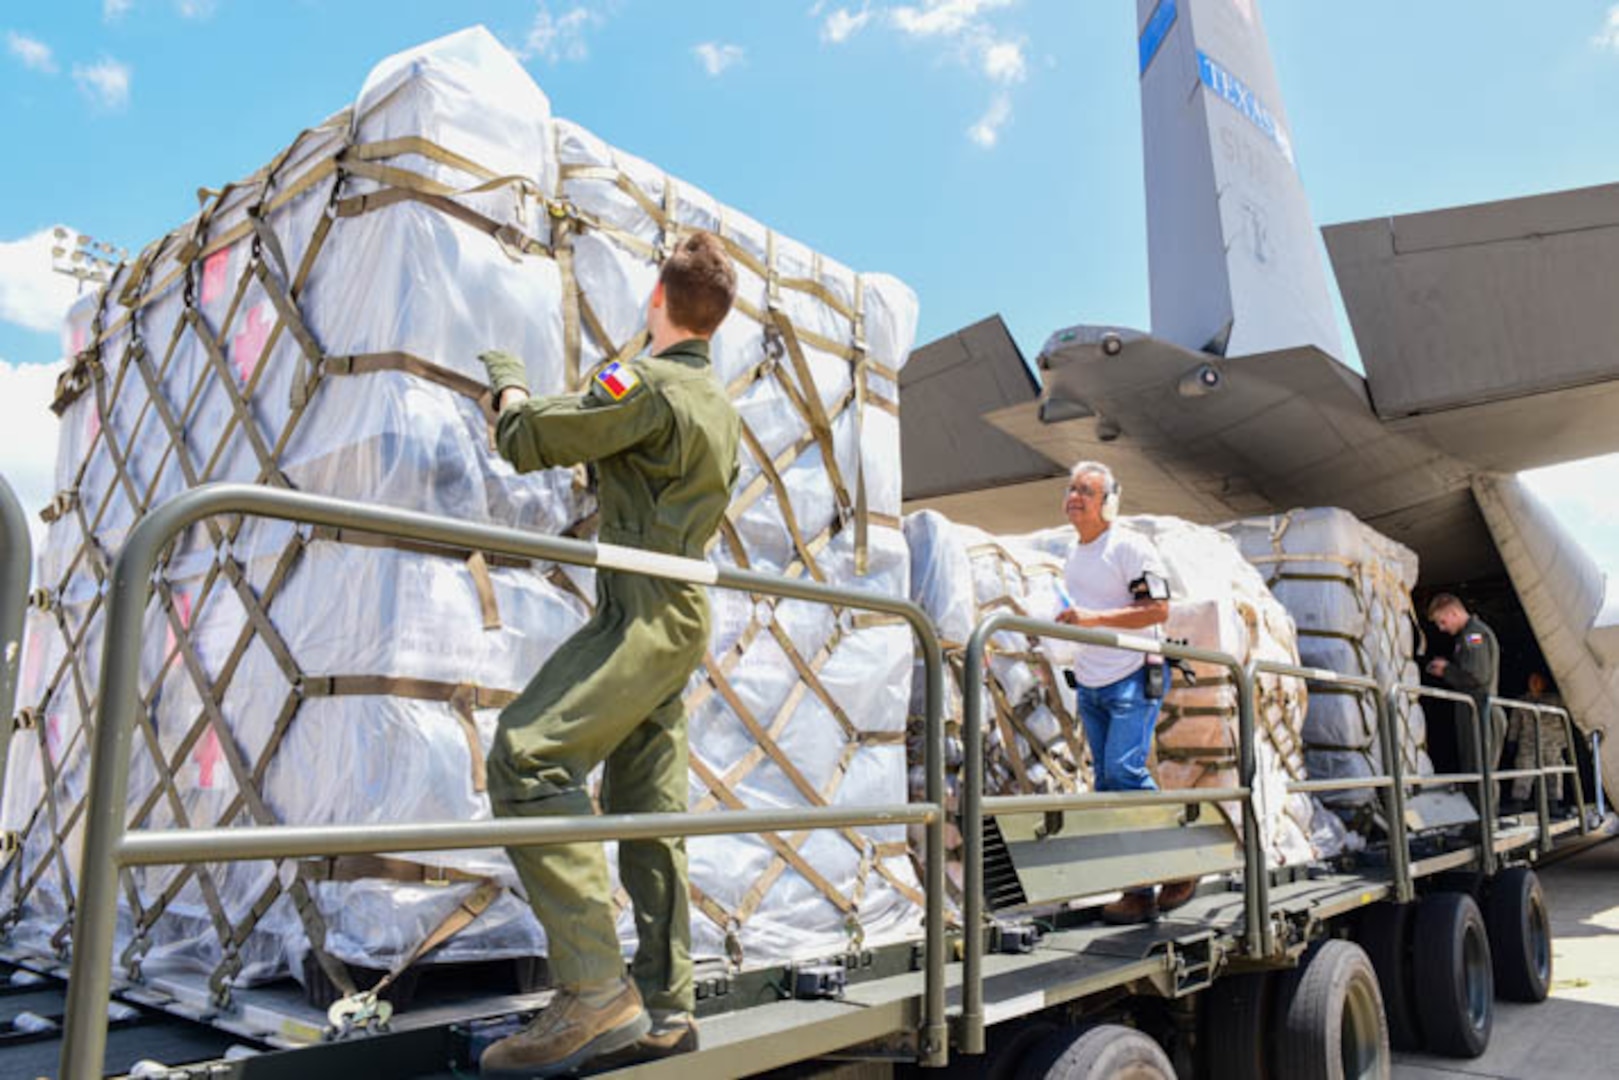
(207, 755)
(182, 605)
(215, 275)
(248, 346)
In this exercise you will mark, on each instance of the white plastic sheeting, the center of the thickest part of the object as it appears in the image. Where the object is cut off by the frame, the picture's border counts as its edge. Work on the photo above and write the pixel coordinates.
(1034, 741)
(797, 704)
(1348, 588)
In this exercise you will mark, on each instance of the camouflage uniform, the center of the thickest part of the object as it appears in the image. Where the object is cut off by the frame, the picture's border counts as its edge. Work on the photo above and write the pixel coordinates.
(664, 441)
(1553, 746)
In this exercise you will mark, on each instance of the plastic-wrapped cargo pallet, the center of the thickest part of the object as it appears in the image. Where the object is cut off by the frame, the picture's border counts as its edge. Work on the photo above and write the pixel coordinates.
(1348, 588)
(1034, 742)
(316, 326)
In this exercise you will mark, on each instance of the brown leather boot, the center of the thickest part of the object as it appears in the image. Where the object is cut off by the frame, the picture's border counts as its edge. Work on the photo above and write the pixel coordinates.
(570, 1032)
(672, 1033)
(1172, 894)
(1132, 907)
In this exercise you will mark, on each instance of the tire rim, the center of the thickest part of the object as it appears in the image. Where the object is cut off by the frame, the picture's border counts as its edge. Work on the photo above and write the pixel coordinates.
(1475, 971)
(1359, 1047)
(1540, 941)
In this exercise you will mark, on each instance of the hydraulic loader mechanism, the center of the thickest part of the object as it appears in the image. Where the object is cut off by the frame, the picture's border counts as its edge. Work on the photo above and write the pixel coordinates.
(1062, 855)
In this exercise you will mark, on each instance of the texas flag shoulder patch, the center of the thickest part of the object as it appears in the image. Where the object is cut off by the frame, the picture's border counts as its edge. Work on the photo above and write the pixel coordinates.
(1475, 639)
(617, 381)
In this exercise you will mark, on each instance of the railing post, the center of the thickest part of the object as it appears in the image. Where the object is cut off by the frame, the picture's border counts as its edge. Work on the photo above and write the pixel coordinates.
(1542, 795)
(1256, 868)
(1486, 814)
(1392, 733)
(935, 1042)
(16, 561)
(84, 1036)
(1562, 717)
(972, 835)
(1596, 774)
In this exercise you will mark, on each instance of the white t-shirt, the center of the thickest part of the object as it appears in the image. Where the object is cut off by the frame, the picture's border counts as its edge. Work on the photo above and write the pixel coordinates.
(1098, 576)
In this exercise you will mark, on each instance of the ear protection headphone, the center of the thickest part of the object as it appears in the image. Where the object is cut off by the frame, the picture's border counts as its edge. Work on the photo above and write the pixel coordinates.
(1110, 502)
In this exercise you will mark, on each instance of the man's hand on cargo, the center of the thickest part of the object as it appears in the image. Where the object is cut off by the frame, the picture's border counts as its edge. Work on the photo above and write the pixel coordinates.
(1437, 666)
(506, 372)
(510, 396)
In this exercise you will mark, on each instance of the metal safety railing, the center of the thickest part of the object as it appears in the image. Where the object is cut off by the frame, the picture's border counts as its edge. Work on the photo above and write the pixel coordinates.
(1389, 782)
(975, 804)
(109, 846)
(1482, 778)
(1542, 773)
(16, 565)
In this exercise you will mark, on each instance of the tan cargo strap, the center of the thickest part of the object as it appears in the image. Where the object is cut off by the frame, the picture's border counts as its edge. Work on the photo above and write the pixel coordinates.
(487, 604)
(514, 242)
(474, 904)
(369, 363)
(358, 538)
(463, 699)
(346, 868)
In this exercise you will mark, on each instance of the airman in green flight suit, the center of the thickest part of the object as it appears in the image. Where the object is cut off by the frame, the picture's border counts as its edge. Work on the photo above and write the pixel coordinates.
(1474, 668)
(663, 438)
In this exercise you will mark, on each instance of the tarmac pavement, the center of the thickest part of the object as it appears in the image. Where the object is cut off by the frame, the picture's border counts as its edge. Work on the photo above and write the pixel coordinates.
(1575, 1033)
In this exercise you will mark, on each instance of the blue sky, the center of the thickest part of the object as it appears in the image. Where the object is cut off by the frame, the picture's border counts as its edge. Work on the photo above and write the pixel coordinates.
(986, 151)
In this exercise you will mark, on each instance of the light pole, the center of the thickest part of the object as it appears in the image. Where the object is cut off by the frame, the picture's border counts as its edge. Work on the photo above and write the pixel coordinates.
(85, 258)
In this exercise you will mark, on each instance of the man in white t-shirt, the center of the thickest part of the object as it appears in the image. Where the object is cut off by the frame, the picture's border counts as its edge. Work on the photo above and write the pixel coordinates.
(1115, 579)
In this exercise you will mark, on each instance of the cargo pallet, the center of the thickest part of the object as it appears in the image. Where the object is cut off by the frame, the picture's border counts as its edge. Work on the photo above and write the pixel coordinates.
(984, 1003)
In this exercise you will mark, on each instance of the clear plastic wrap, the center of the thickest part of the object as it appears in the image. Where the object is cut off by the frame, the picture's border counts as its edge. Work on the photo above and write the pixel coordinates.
(1348, 588)
(317, 327)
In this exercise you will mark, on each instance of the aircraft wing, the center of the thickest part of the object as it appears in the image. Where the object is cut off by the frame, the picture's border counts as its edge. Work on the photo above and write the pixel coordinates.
(1273, 431)
(1490, 330)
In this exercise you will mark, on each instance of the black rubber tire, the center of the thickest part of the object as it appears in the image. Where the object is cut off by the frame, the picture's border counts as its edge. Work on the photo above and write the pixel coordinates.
(1452, 975)
(1384, 931)
(1006, 1045)
(1107, 1052)
(1520, 931)
(1330, 1023)
(1234, 1027)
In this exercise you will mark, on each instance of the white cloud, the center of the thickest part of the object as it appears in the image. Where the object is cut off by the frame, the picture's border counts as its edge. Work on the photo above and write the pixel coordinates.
(31, 295)
(554, 38)
(28, 452)
(965, 31)
(943, 18)
(112, 10)
(1608, 36)
(105, 83)
(843, 24)
(716, 56)
(188, 9)
(33, 53)
(987, 131)
(1003, 61)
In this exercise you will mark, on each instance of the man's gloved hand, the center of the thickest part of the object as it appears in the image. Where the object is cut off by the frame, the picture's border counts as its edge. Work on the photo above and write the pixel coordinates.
(505, 371)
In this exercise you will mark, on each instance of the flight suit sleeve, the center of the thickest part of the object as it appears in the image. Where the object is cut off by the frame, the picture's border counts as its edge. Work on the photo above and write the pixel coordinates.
(1472, 668)
(544, 432)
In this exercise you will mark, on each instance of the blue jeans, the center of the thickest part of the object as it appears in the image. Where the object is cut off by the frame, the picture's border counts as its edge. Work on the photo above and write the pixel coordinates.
(1119, 722)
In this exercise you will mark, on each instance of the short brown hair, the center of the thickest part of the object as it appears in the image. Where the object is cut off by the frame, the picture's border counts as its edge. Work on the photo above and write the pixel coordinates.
(699, 283)
(1443, 600)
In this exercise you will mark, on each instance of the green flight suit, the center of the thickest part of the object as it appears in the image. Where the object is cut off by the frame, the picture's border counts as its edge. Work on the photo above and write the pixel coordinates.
(1475, 670)
(664, 439)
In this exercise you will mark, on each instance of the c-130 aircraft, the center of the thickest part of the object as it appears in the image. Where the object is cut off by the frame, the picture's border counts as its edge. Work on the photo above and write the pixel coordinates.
(1489, 337)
